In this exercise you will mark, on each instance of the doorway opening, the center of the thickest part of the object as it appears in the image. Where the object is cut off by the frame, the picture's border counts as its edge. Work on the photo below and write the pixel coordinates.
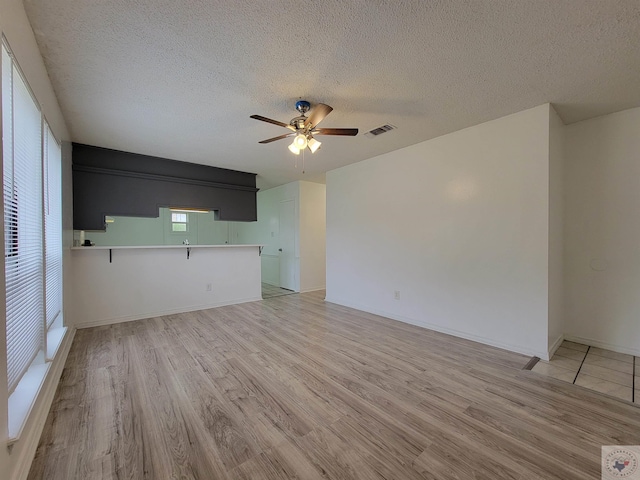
(284, 282)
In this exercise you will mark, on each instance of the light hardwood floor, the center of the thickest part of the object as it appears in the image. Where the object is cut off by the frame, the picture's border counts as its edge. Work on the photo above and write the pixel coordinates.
(269, 291)
(293, 387)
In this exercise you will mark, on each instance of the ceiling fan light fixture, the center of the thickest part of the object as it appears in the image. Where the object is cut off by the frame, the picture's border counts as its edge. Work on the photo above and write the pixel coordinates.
(294, 149)
(313, 144)
(302, 128)
(300, 141)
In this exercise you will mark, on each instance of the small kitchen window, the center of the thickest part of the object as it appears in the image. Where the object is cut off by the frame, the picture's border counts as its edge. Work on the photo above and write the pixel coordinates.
(179, 222)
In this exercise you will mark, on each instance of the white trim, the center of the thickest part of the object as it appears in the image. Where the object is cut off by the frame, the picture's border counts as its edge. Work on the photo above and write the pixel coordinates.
(555, 346)
(438, 328)
(137, 247)
(23, 398)
(35, 423)
(603, 345)
(16, 64)
(314, 289)
(194, 308)
(55, 336)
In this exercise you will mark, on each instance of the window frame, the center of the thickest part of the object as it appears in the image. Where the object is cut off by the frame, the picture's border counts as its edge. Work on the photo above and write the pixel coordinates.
(176, 221)
(50, 334)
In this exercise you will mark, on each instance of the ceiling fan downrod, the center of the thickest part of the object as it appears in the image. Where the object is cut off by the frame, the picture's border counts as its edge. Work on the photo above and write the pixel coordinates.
(303, 107)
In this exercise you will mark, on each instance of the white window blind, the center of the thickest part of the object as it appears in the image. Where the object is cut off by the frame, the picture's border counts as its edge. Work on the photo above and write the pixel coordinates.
(7, 135)
(22, 189)
(52, 226)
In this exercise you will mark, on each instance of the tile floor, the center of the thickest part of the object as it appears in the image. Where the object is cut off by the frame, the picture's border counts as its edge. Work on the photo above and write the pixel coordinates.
(611, 373)
(269, 291)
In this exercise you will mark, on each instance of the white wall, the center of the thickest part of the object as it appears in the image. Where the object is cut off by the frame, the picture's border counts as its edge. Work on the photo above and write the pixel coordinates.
(266, 231)
(149, 282)
(602, 231)
(458, 225)
(556, 230)
(310, 224)
(15, 27)
(313, 202)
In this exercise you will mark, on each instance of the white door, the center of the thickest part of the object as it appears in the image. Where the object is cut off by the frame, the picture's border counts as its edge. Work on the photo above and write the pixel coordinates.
(287, 248)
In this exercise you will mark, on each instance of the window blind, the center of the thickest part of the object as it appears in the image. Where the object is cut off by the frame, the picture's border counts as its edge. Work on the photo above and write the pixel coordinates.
(22, 189)
(53, 226)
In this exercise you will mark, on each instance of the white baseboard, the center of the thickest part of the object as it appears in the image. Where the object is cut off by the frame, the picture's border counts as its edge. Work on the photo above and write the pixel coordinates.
(554, 346)
(140, 316)
(603, 345)
(439, 328)
(25, 447)
(314, 289)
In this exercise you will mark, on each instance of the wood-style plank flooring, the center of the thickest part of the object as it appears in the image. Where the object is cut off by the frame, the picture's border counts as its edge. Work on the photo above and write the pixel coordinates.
(269, 291)
(293, 387)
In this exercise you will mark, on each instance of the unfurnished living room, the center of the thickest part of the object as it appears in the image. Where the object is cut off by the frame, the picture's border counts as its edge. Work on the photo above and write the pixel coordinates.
(320, 240)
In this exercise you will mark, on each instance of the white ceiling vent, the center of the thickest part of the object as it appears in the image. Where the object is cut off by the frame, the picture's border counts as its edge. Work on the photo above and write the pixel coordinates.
(379, 131)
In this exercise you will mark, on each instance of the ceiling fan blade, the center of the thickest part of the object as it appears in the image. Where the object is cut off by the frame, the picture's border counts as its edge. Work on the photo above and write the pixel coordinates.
(350, 132)
(317, 115)
(270, 120)
(280, 137)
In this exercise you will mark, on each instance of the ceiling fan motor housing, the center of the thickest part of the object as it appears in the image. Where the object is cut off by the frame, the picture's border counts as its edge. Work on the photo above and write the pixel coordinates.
(303, 106)
(298, 122)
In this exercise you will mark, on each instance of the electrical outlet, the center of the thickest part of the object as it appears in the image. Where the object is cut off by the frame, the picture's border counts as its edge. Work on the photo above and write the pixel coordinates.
(208, 287)
(396, 294)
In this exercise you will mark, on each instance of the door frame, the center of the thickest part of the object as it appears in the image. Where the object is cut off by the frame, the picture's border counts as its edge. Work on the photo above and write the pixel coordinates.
(293, 271)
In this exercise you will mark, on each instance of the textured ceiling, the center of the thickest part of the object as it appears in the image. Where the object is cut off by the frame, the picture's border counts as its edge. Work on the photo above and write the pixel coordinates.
(179, 79)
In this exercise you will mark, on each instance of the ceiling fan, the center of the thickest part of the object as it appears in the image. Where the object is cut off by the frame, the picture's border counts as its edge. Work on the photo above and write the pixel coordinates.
(303, 128)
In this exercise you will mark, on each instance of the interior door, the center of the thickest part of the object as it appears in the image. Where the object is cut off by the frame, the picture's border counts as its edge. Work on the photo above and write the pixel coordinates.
(287, 249)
